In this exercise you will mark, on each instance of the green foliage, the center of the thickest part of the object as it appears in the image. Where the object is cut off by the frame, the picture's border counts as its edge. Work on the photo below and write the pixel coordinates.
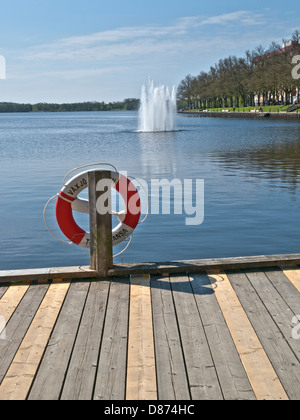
(11, 107)
(129, 104)
(235, 82)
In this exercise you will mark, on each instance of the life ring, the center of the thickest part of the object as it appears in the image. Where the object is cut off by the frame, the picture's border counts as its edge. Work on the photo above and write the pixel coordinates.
(67, 201)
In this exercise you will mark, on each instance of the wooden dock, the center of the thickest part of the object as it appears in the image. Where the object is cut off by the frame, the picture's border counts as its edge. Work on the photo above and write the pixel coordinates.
(199, 334)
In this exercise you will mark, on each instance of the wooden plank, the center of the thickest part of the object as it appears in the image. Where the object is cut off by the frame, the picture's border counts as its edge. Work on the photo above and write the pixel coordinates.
(11, 299)
(197, 266)
(19, 323)
(47, 274)
(3, 321)
(281, 299)
(18, 379)
(172, 382)
(155, 268)
(141, 375)
(254, 297)
(3, 289)
(293, 274)
(273, 301)
(285, 288)
(111, 374)
(233, 379)
(24, 275)
(202, 376)
(286, 292)
(79, 383)
(101, 254)
(264, 380)
(49, 380)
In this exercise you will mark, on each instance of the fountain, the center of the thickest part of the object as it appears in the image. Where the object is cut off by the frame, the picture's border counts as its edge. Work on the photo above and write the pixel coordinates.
(158, 109)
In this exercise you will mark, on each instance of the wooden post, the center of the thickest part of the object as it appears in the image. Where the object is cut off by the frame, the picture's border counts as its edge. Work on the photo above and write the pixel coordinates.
(100, 226)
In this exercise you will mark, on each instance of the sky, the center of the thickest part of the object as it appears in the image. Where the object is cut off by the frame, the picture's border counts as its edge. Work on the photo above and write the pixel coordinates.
(95, 50)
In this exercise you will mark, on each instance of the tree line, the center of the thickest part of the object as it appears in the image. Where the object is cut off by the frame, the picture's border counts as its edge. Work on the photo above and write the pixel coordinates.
(129, 104)
(236, 81)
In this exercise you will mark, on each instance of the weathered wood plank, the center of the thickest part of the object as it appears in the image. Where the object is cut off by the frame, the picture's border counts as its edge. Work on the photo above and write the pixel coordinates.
(172, 379)
(254, 297)
(11, 299)
(3, 288)
(141, 375)
(47, 274)
(18, 379)
(264, 380)
(3, 320)
(281, 299)
(285, 288)
(293, 274)
(154, 268)
(233, 379)
(18, 324)
(49, 380)
(275, 302)
(80, 379)
(197, 266)
(111, 374)
(101, 255)
(202, 376)
(24, 275)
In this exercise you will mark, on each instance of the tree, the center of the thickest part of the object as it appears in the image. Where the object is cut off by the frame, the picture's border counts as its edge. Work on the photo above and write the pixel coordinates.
(265, 74)
(185, 90)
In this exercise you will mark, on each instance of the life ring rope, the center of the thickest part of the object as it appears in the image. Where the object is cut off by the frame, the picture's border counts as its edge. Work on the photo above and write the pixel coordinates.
(46, 223)
(88, 166)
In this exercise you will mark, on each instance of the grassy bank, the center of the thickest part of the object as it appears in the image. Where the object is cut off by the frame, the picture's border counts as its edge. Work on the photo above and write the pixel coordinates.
(271, 108)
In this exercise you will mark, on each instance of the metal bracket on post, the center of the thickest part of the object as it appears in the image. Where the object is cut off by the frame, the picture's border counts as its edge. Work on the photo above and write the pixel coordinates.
(101, 255)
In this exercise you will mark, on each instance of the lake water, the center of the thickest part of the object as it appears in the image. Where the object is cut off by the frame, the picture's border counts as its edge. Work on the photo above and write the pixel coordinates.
(250, 168)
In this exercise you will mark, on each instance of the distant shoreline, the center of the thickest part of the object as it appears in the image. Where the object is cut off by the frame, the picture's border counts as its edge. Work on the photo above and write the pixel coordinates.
(257, 115)
(129, 104)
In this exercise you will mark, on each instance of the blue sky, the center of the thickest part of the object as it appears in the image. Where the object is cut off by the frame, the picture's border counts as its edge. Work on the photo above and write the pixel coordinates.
(67, 51)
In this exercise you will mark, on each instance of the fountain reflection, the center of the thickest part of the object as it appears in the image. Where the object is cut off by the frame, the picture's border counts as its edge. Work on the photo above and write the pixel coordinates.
(158, 154)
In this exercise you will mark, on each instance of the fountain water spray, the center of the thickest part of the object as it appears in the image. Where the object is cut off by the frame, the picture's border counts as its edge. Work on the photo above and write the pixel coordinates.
(158, 109)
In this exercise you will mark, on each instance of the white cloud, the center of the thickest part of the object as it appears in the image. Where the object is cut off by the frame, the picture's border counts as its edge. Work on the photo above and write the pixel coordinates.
(126, 56)
(242, 17)
(70, 74)
(132, 38)
(135, 41)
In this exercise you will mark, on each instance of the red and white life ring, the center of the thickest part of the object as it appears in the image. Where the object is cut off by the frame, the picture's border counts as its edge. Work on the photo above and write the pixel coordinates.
(67, 201)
